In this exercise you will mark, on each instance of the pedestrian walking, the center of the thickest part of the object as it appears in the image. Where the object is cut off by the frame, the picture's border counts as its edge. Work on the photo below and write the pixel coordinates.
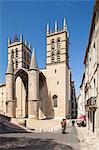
(63, 124)
(73, 122)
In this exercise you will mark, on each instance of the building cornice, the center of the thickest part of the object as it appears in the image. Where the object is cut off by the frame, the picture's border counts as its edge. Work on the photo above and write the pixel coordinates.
(2, 84)
(55, 33)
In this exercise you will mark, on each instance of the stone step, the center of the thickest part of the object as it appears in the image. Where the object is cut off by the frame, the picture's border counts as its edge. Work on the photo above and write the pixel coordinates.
(50, 125)
(35, 125)
(45, 125)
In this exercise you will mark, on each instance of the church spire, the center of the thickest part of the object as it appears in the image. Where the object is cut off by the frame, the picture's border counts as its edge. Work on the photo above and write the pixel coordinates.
(56, 26)
(21, 38)
(33, 64)
(64, 24)
(9, 41)
(48, 28)
(10, 69)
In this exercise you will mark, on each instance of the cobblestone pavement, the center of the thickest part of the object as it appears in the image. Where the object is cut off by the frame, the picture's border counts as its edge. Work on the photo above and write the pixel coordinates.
(72, 140)
(88, 140)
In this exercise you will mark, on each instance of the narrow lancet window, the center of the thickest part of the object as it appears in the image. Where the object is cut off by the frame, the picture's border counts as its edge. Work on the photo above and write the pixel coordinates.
(58, 56)
(52, 57)
(16, 64)
(54, 100)
(52, 44)
(16, 52)
(12, 53)
(58, 44)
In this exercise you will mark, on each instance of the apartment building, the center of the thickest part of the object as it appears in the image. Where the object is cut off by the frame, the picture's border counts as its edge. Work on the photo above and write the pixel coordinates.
(91, 83)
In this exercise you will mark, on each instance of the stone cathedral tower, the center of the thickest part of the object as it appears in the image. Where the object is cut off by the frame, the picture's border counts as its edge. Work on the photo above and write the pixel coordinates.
(19, 54)
(57, 69)
(31, 93)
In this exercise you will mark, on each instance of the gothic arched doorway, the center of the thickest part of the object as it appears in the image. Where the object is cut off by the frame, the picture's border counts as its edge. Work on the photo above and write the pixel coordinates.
(21, 93)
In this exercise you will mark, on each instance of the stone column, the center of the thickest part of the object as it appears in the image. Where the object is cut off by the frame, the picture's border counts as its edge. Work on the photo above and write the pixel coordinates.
(10, 103)
(33, 93)
(33, 88)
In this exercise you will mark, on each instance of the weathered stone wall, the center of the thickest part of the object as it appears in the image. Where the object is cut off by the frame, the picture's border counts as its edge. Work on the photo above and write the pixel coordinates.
(45, 103)
(3, 99)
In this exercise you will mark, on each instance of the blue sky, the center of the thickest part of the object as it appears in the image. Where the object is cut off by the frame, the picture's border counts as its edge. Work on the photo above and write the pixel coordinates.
(30, 18)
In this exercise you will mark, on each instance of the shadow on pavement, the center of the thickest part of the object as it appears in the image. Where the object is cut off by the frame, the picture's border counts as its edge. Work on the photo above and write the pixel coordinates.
(8, 127)
(31, 144)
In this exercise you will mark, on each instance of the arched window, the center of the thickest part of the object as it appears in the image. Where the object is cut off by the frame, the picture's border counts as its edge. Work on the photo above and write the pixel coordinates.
(12, 53)
(54, 100)
(58, 44)
(58, 56)
(52, 44)
(52, 57)
(16, 52)
(16, 64)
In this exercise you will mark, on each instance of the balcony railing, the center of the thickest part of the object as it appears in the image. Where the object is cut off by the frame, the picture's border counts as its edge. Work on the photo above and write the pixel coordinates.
(91, 102)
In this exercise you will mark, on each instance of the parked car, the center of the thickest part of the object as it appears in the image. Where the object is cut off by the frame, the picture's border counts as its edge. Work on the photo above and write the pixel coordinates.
(81, 121)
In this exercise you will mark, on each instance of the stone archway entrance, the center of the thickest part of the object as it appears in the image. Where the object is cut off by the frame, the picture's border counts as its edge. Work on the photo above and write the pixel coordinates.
(21, 93)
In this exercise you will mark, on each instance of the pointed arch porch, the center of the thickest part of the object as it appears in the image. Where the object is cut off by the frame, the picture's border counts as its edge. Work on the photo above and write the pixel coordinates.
(21, 93)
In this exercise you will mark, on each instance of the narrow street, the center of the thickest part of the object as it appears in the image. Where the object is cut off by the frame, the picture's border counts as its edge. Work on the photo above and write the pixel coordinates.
(74, 139)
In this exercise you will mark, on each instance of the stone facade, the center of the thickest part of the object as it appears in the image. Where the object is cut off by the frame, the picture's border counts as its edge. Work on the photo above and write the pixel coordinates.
(81, 98)
(32, 93)
(91, 79)
(2, 99)
(73, 101)
(72, 98)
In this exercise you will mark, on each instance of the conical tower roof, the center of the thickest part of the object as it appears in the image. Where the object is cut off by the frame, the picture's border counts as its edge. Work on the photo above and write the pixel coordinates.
(33, 64)
(10, 68)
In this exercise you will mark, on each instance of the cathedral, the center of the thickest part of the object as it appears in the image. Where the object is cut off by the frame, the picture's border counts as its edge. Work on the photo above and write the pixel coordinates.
(30, 93)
